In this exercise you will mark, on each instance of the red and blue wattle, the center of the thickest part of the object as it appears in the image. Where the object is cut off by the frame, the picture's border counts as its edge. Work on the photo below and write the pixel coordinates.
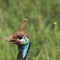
(14, 39)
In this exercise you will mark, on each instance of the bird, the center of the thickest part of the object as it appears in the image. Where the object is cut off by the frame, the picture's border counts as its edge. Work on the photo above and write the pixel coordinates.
(22, 40)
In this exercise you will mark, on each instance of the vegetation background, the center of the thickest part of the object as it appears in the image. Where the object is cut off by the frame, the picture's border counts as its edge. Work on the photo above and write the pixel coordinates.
(43, 28)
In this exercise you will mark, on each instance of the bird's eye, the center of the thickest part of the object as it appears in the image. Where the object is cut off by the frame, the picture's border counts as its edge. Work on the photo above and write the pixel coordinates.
(20, 36)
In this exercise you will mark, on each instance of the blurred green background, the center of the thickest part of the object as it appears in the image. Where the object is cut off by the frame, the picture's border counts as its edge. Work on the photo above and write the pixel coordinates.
(43, 28)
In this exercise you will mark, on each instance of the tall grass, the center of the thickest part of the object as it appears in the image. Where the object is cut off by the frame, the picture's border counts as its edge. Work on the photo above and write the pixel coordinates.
(43, 28)
(45, 45)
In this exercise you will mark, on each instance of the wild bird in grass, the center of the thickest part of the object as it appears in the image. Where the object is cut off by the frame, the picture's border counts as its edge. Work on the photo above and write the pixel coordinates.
(22, 40)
